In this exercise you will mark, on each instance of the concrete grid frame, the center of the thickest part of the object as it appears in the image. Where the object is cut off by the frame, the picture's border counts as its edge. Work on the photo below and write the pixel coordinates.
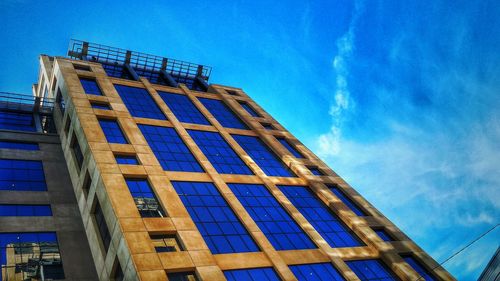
(131, 247)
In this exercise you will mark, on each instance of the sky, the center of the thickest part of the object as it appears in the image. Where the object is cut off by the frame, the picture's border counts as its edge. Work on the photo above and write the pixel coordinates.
(400, 98)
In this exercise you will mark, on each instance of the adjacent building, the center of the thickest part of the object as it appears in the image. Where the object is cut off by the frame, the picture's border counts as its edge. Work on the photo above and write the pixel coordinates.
(129, 166)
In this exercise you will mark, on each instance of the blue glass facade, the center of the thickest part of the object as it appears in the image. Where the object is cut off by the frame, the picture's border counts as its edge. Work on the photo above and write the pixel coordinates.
(383, 235)
(7, 210)
(139, 102)
(420, 269)
(27, 246)
(183, 108)
(22, 175)
(263, 156)
(126, 160)
(290, 148)
(112, 131)
(169, 149)
(252, 274)
(17, 121)
(219, 153)
(249, 109)
(100, 106)
(144, 197)
(316, 272)
(368, 270)
(278, 226)
(90, 87)
(226, 117)
(320, 216)
(216, 221)
(315, 171)
(117, 71)
(19, 145)
(346, 200)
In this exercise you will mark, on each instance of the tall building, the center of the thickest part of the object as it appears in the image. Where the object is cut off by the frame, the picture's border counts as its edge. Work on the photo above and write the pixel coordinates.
(128, 166)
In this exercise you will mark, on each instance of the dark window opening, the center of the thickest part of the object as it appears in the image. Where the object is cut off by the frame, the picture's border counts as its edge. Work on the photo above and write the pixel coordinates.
(102, 227)
(182, 276)
(166, 243)
(81, 67)
(77, 152)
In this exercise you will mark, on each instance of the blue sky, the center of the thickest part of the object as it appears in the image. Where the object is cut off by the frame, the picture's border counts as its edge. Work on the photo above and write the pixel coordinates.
(401, 99)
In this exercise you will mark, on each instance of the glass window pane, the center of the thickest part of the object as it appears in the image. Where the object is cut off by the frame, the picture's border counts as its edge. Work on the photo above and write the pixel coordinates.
(139, 102)
(19, 145)
(218, 224)
(316, 272)
(263, 156)
(112, 131)
(371, 270)
(22, 175)
(126, 160)
(357, 210)
(290, 148)
(33, 254)
(183, 108)
(219, 153)
(144, 198)
(320, 216)
(249, 109)
(223, 113)
(17, 121)
(169, 149)
(278, 226)
(252, 274)
(90, 86)
(117, 71)
(418, 267)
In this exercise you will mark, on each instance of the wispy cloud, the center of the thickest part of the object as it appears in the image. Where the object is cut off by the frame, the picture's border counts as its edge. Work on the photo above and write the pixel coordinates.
(432, 95)
(329, 143)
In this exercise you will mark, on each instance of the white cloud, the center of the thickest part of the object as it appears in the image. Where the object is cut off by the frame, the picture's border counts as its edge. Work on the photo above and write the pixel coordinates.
(329, 143)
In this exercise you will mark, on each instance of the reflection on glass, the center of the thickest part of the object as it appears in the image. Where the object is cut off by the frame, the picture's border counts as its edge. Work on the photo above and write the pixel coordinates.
(30, 256)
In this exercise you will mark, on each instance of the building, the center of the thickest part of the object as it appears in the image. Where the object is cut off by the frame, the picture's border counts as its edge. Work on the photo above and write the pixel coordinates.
(157, 175)
(492, 270)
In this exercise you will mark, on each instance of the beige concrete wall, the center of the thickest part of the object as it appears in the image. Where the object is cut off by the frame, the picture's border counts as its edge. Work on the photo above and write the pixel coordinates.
(131, 244)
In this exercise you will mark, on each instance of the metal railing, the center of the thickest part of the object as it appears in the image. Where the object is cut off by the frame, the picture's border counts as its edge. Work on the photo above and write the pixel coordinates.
(111, 55)
(26, 103)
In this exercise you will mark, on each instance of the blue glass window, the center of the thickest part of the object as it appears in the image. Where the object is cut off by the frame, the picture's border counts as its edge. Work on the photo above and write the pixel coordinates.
(77, 151)
(17, 121)
(100, 106)
(216, 221)
(316, 272)
(182, 276)
(19, 145)
(263, 156)
(316, 171)
(346, 200)
(39, 248)
(112, 131)
(102, 226)
(183, 108)
(126, 160)
(290, 148)
(169, 149)
(383, 234)
(22, 175)
(117, 70)
(267, 126)
(153, 76)
(427, 276)
(252, 274)
(219, 153)
(144, 198)
(7, 210)
(139, 102)
(249, 109)
(371, 270)
(278, 226)
(320, 216)
(90, 87)
(223, 114)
